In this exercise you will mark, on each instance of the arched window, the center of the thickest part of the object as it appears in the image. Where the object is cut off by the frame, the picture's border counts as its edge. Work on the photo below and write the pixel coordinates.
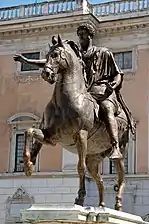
(18, 124)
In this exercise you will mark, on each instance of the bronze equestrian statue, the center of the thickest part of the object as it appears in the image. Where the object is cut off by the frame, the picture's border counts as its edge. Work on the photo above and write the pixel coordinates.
(84, 114)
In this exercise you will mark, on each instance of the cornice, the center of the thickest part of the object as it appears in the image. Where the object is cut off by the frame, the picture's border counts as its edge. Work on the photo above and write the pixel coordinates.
(73, 174)
(123, 26)
(123, 29)
(42, 25)
(69, 21)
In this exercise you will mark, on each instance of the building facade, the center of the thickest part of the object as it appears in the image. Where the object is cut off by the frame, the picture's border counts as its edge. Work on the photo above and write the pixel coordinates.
(123, 27)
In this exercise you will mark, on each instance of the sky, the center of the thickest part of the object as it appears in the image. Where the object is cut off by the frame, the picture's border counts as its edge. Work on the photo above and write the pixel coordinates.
(7, 3)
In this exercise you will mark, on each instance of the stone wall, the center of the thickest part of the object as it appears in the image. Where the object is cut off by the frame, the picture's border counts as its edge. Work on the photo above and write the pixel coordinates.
(21, 192)
(136, 195)
(61, 188)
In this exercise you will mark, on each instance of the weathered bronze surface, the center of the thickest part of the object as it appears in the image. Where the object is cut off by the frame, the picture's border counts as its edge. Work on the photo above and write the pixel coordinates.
(86, 114)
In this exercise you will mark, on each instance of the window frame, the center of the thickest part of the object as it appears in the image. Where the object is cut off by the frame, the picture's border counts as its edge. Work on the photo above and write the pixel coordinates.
(12, 159)
(15, 163)
(69, 161)
(131, 149)
(123, 59)
(22, 74)
(16, 145)
(34, 70)
(134, 59)
(111, 165)
(19, 127)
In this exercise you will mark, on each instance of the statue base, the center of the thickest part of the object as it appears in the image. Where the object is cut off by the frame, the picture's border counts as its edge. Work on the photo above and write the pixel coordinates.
(48, 214)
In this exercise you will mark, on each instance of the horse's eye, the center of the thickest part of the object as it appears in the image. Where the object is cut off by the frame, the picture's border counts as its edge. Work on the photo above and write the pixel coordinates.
(54, 55)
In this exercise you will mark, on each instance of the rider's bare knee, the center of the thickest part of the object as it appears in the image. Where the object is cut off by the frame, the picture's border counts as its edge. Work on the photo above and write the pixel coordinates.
(107, 107)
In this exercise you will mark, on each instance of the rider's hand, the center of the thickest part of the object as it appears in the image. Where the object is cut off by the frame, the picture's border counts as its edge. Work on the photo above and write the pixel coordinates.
(18, 57)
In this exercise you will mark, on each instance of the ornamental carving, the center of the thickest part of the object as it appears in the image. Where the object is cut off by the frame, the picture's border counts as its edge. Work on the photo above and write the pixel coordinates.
(19, 200)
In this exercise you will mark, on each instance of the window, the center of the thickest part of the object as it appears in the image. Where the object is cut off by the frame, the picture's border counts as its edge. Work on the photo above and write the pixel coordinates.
(113, 169)
(124, 59)
(69, 161)
(26, 67)
(18, 124)
(19, 166)
(130, 157)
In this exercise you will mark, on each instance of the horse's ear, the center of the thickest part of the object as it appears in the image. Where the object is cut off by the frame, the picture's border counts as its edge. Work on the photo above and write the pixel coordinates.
(49, 45)
(60, 43)
(54, 40)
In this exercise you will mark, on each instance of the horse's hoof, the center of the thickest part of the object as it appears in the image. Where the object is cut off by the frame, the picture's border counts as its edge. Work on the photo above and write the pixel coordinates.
(79, 201)
(28, 169)
(118, 207)
(102, 205)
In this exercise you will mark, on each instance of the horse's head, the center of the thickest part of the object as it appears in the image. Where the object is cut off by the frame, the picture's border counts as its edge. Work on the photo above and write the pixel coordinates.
(59, 58)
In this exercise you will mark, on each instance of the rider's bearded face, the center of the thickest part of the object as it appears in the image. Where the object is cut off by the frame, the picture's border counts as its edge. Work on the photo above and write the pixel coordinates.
(84, 38)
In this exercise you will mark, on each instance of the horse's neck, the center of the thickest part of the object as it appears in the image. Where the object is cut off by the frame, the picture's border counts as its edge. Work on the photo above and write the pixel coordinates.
(70, 83)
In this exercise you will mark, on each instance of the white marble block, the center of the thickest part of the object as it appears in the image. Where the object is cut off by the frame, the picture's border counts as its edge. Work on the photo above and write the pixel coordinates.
(52, 213)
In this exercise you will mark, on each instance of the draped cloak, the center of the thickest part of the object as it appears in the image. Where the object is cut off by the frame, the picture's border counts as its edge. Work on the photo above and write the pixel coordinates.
(100, 66)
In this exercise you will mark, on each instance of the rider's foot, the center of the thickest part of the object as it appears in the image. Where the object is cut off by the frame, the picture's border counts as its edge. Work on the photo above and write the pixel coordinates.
(115, 154)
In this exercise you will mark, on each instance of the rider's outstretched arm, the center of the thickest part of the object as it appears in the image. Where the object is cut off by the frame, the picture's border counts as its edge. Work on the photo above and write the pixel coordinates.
(39, 63)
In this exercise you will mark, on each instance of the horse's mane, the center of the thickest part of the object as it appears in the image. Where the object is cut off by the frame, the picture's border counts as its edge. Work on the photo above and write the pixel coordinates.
(74, 47)
(76, 50)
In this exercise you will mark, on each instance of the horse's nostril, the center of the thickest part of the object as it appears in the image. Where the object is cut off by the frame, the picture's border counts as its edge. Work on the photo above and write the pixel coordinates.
(52, 75)
(47, 74)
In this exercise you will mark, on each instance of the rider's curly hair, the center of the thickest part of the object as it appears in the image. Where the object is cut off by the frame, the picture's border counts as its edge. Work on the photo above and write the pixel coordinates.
(89, 28)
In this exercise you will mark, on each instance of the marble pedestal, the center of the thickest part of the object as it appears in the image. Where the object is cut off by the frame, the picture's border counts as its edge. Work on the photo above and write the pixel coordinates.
(48, 214)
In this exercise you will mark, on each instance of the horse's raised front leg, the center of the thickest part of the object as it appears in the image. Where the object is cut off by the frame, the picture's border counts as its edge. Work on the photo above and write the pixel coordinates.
(81, 144)
(30, 158)
(35, 150)
(92, 166)
(121, 183)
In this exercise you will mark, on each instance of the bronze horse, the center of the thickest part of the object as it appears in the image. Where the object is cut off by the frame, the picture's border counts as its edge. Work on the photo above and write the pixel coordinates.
(72, 119)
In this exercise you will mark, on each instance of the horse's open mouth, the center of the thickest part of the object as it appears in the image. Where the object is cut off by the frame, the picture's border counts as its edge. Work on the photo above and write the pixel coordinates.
(49, 77)
(51, 81)
(52, 77)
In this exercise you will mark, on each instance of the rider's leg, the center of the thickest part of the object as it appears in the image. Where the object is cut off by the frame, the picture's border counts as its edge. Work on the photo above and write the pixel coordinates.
(112, 127)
